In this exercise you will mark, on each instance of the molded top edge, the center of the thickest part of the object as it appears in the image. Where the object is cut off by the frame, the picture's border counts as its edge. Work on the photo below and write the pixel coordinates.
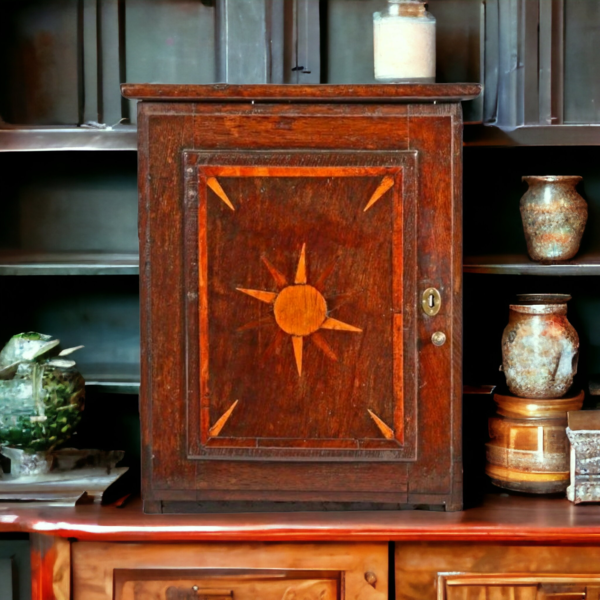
(223, 92)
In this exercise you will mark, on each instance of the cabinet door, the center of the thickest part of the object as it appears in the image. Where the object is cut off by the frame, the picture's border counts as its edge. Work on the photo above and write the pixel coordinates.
(125, 571)
(290, 353)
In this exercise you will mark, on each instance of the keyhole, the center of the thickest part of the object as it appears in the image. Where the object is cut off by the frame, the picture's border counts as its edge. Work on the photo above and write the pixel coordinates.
(431, 302)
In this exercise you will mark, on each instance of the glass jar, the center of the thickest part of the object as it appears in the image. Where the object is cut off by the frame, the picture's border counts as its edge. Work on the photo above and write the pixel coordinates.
(404, 43)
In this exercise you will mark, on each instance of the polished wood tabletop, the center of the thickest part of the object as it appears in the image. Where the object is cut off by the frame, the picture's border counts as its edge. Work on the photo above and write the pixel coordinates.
(499, 518)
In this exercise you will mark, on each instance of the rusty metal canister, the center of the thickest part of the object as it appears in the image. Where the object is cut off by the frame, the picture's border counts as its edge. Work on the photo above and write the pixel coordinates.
(540, 348)
(554, 217)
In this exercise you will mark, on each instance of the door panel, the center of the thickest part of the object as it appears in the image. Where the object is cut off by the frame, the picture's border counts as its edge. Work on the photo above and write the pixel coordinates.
(305, 268)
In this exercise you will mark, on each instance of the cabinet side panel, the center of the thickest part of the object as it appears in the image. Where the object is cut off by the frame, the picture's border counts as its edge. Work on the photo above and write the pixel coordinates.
(162, 297)
(456, 502)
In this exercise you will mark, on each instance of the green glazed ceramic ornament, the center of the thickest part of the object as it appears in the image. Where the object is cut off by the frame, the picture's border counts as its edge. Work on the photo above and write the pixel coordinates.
(41, 393)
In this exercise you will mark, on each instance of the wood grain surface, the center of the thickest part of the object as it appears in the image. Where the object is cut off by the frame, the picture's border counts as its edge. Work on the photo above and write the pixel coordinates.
(441, 92)
(269, 337)
(501, 518)
(266, 571)
(50, 568)
(496, 572)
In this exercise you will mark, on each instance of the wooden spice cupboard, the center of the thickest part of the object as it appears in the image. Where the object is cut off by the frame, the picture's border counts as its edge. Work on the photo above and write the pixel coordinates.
(301, 294)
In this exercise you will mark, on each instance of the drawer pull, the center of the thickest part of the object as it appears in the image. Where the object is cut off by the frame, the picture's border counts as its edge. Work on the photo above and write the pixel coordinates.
(371, 578)
(196, 593)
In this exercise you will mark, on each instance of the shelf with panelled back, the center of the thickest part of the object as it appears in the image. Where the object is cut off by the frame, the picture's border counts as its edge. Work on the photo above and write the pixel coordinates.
(68, 140)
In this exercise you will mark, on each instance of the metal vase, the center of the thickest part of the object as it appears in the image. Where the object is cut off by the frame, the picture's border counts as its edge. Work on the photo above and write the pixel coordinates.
(540, 348)
(554, 217)
(528, 449)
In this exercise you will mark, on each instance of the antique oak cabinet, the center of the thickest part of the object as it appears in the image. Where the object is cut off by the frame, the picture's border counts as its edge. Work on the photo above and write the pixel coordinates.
(301, 295)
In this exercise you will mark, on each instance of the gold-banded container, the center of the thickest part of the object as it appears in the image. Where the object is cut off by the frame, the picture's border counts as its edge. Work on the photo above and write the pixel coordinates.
(528, 449)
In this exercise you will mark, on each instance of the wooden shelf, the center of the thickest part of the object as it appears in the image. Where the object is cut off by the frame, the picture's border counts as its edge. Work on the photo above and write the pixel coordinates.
(508, 264)
(68, 263)
(532, 135)
(124, 137)
(112, 378)
(501, 518)
(43, 139)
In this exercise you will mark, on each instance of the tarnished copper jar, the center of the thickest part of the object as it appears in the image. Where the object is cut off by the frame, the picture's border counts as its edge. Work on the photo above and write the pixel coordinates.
(528, 449)
(540, 348)
(554, 217)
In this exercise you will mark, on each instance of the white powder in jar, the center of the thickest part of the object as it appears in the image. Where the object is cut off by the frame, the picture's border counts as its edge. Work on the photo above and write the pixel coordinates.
(404, 47)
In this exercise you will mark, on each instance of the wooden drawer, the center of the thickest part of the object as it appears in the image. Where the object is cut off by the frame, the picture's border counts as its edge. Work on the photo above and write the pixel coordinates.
(464, 571)
(269, 571)
(518, 587)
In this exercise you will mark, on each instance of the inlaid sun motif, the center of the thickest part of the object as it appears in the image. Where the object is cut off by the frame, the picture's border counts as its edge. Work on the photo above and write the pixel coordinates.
(299, 309)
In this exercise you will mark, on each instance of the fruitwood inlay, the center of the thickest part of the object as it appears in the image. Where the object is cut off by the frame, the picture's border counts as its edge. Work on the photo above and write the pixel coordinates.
(216, 428)
(215, 186)
(300, 310)
(388, 432)
(384, 186)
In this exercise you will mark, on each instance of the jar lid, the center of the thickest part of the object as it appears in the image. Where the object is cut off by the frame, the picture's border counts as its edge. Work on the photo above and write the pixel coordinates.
(552, 178)
(407, 8)
(543, 298)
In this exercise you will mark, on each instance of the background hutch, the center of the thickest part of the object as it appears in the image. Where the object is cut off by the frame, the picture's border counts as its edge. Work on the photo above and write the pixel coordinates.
(69, 241)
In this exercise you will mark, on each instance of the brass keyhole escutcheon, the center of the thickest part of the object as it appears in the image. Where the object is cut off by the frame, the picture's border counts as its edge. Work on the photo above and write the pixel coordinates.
(431, 302)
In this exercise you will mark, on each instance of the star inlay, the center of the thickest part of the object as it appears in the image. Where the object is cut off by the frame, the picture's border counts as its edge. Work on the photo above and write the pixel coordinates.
(299, 309)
